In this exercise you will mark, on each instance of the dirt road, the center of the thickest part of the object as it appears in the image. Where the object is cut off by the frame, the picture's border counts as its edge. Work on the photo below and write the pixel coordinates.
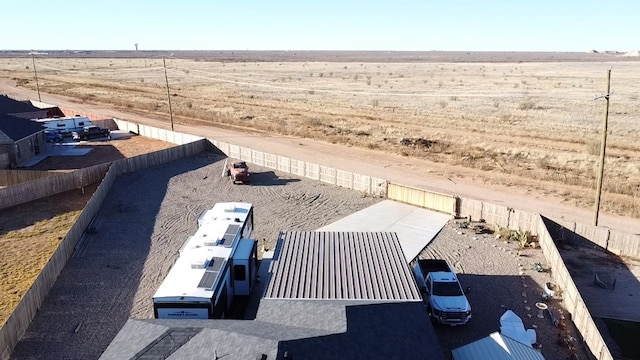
(414, 172)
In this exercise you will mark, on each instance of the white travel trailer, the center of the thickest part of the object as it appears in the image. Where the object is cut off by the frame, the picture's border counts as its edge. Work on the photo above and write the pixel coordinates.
(215, 265)
(64, 125)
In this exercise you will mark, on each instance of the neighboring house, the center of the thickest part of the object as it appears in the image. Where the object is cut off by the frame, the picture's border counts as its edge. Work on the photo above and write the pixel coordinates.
(24, 109)
(328, 295)
(20, 140)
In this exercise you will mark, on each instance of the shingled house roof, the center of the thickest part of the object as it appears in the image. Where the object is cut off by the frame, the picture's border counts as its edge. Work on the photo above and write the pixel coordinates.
(13, 129)
(12, 106)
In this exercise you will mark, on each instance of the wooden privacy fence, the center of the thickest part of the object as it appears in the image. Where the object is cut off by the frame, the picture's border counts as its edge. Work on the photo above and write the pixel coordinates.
(55, 184)
(13, 177)
(157, 133)
(616, 242)
(572, 299)
(20, 319)
(499, 215)
(160, 157)
(419, 197)
(358, 182)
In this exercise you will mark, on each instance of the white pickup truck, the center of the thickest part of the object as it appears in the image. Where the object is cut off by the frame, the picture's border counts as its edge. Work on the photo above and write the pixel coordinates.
(446, 301)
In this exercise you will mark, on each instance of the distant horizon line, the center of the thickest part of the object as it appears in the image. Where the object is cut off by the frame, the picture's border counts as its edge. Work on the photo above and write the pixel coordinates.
(314, 50)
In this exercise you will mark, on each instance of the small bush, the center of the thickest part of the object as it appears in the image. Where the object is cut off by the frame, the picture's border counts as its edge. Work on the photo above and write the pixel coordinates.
(593, 147)
(504, 117)
(313, 122)
(527, 105)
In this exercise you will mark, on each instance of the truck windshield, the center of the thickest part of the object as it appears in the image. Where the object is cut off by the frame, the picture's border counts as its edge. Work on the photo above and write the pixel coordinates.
(446, 289)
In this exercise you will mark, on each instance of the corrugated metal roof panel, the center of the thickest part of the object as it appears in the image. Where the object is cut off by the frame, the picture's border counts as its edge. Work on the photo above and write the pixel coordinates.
(496, 347)
(341, 266)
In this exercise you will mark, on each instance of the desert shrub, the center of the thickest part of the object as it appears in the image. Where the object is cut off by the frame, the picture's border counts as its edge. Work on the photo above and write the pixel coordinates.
(504, 117)
(593, 147)
(375, 102)
(527, 105)
(443, 104)
(313, 122)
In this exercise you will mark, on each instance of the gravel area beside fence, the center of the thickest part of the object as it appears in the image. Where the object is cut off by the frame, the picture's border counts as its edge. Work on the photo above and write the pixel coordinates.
(148, 215)
(501, 276)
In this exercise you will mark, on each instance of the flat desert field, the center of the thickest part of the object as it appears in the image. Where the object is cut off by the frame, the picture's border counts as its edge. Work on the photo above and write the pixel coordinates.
(533, 123)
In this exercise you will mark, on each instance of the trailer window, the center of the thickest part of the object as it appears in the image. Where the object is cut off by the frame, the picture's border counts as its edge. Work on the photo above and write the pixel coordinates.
(239, 272)
(60, 125)
(81, 123)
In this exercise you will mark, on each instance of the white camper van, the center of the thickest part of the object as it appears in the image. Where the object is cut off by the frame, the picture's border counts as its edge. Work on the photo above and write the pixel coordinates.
(214, 266)
(65, 125)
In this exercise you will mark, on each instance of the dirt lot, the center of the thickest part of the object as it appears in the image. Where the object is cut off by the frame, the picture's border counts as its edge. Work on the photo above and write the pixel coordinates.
(148, 215)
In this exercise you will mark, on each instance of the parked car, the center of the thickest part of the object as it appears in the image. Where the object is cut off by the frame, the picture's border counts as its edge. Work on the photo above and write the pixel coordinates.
(91, 132)
(53, 137)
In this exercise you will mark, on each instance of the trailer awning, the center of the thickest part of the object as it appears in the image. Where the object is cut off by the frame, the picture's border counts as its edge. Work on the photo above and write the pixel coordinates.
(415, 226)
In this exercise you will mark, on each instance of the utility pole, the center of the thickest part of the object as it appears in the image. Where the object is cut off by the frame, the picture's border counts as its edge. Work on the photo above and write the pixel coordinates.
(168, 93)
(603, 147)
(35, 74)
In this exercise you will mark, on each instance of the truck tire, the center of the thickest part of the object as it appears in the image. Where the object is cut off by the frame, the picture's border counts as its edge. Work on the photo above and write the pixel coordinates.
(431, 317)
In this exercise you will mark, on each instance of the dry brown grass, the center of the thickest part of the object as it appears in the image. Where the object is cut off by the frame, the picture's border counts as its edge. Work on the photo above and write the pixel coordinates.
(529, 125)
(18, 271)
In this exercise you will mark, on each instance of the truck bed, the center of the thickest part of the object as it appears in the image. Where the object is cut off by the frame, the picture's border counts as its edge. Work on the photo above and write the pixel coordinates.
(433, 265)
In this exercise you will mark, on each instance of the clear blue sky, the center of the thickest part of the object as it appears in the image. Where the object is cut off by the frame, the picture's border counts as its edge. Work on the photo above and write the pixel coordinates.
(448, 25)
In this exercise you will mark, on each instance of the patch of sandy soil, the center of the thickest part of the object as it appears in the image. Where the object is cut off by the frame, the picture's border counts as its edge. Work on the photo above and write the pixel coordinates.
(534, 196)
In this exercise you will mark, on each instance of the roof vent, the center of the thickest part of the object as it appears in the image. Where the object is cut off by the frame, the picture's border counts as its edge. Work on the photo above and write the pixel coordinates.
(199, 263)
(211, 242)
